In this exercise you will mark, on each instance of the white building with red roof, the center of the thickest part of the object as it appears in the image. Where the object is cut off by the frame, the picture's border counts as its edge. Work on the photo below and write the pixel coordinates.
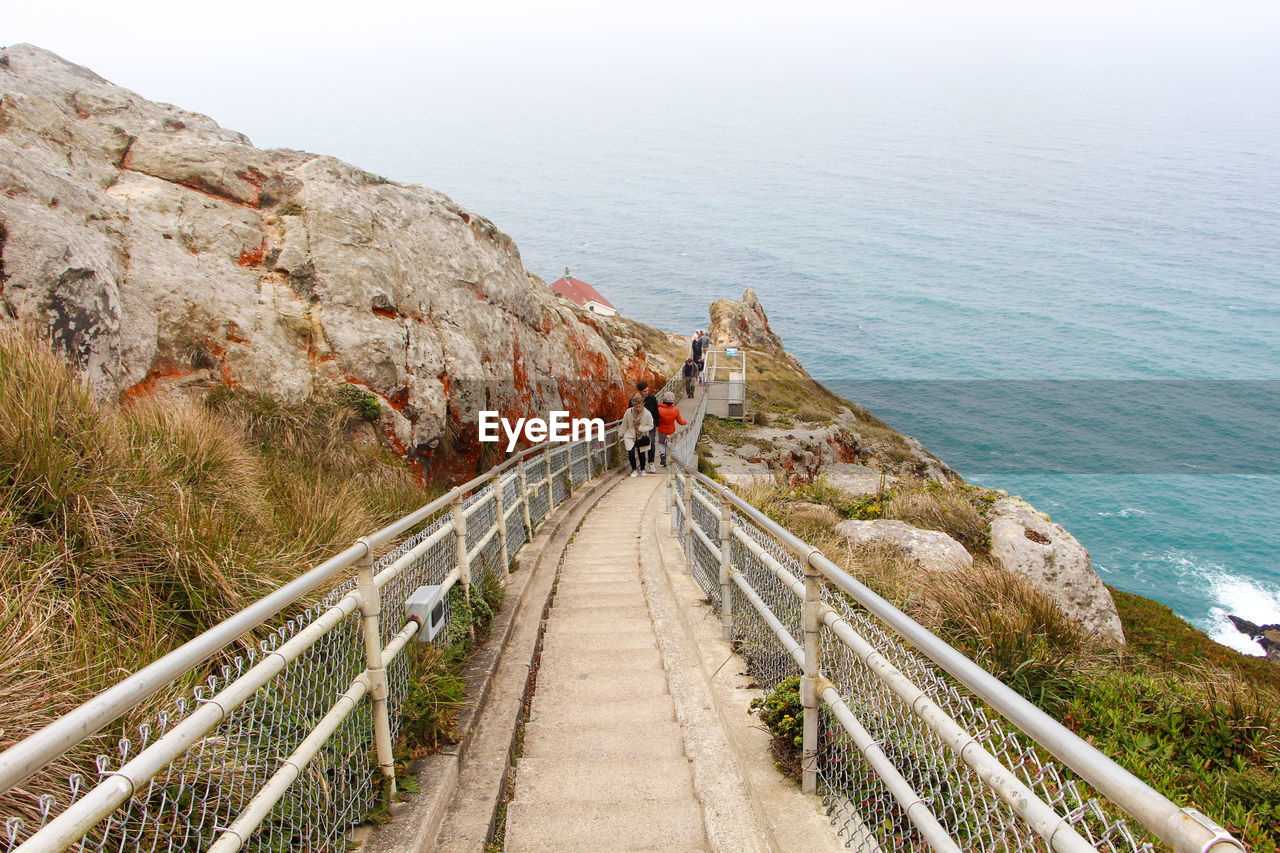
(580, 293)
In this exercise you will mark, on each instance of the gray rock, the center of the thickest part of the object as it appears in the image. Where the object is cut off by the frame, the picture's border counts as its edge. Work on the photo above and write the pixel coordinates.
(1025, 542)
(932, 468)
(735, 470)
(858, 480)
(931, 550)
(750, 452)
(159, 250)
(817, 513)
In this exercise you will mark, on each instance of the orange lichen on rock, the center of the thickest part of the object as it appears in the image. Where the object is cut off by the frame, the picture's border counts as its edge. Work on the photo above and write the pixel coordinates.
(253, 257)
(164, 370)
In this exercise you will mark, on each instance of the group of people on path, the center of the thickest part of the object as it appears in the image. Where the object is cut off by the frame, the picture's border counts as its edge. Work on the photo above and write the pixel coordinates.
(647, 428)
(699, 346)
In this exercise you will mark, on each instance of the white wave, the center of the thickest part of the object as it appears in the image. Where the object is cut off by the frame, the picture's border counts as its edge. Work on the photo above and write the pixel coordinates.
(1127, 512)
(1243, 597)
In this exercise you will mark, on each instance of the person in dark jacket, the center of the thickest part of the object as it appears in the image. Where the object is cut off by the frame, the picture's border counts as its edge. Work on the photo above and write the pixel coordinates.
(690, 374)
(650, 403)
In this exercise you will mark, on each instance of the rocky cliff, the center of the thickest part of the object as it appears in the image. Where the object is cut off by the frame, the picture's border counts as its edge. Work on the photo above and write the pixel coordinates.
(165, 255)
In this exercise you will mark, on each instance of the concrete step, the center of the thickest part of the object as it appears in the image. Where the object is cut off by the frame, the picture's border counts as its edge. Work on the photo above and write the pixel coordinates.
(620, 594)
(673, 825)
(601, 690)
(586, 571)
(579, 625)
(566, 714)
(601, 660)
(630, 785)
(607, 613)
(606, 741)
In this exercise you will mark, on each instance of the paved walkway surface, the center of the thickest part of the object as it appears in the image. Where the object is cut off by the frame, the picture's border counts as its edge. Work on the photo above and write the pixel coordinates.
(603, 764)
(638, 736)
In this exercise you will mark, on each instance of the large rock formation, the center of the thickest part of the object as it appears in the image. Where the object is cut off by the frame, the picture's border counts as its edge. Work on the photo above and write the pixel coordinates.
(165, 254)
(744, 324)
(931, 550)
(1024, 541)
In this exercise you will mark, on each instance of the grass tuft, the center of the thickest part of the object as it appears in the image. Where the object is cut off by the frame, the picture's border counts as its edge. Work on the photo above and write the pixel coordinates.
(126, 531)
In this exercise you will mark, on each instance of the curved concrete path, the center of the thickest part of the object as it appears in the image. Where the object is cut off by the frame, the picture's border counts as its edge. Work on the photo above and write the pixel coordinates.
(603, 764)
(629, 745)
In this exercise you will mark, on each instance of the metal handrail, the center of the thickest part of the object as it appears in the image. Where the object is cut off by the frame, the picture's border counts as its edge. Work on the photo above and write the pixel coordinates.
(27, 757)
(1183, 829)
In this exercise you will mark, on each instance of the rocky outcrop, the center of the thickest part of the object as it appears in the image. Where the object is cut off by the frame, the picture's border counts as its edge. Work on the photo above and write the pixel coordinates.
(857, 480)
(931, 550)
(744, 324)
(1268, 636)
(1025, 542)
(164, 254)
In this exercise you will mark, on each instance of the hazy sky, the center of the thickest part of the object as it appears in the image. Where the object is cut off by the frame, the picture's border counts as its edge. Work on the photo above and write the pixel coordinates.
(272, 34)
(279, 71)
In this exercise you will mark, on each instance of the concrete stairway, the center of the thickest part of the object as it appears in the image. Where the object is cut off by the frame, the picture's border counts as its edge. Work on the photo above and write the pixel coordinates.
(604, 763)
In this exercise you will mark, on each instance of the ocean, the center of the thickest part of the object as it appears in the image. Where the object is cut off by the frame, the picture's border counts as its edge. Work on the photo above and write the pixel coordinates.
(1099, 220)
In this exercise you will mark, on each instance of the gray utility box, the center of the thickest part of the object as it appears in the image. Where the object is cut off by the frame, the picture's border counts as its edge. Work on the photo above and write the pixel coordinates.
(426, 604)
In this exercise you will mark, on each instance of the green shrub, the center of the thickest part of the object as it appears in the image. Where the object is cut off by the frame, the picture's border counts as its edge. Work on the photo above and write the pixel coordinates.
(360, 401)
(783, 715)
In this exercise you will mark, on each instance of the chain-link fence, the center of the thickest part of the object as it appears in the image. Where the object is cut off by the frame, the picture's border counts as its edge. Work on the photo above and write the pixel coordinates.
(907, 756)
(240, 761)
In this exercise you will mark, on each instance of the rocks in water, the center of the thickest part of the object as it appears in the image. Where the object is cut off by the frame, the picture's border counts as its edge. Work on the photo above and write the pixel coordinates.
(931, 550)
(1268, 636)
(1025, 542)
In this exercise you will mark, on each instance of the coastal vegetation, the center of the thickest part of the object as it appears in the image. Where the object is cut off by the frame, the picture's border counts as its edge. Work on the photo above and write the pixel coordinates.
(127, 530)
(1195, 720)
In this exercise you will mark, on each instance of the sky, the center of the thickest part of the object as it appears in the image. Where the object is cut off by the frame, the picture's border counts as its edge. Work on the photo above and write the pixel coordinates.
(144, 41)
(237, 59)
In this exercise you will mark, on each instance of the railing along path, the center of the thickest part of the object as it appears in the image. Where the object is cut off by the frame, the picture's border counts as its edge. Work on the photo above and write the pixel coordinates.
(283, 749)
(902, 734)
(272, 752)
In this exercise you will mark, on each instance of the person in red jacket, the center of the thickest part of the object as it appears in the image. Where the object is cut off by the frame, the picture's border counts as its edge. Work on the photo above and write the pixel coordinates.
(668, 417)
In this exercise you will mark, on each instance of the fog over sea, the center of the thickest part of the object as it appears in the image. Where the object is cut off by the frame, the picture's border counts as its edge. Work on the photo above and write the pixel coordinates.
(1082, 214)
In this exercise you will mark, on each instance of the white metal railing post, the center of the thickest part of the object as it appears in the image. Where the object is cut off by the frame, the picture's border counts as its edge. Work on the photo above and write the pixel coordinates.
(502, 524)
(524, 503)
(551, 493)
(672, 467)
(370, 610)
(809, 681)
(464, 560)
(688, 523)
(726, 548)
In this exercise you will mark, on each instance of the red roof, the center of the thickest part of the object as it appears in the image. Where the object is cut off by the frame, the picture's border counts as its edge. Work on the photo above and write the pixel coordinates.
(579, 291)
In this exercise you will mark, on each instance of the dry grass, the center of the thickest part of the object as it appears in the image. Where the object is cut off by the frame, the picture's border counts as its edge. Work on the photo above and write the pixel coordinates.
(776, 388)
(956, 509)
(1172, 710)
(124, 532)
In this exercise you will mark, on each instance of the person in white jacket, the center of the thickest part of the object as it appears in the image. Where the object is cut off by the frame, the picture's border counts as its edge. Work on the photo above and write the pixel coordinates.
(636, 424)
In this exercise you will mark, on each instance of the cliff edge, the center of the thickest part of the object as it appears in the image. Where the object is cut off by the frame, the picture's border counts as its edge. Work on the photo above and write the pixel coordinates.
(164, 254)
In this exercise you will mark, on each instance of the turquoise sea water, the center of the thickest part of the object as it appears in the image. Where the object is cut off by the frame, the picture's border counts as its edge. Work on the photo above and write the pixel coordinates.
(1026, 217)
